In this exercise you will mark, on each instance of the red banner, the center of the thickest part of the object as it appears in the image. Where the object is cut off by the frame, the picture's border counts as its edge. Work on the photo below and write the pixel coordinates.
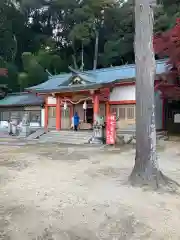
(111, 129)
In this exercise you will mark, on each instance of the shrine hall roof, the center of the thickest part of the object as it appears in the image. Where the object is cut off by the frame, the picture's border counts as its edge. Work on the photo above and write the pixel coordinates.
(99, 76)
(21, 99)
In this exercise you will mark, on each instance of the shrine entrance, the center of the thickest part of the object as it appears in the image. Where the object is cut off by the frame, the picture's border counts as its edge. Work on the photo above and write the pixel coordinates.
(52, 117)
(89, 105)
(65, 118)
(89, 115)
(86, 115)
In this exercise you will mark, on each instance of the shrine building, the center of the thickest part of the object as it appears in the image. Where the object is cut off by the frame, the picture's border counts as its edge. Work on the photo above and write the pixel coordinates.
(92, 93)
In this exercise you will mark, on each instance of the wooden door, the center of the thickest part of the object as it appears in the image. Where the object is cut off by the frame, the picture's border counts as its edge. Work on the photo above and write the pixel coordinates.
(89, 115)
(51, 117)
(65, 118)
(102, 111)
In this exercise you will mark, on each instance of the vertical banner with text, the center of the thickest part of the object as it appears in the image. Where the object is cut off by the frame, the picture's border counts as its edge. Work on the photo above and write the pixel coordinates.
(111, 129)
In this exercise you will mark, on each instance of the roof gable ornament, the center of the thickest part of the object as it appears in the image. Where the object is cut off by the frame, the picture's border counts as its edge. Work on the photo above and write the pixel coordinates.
(76, 81)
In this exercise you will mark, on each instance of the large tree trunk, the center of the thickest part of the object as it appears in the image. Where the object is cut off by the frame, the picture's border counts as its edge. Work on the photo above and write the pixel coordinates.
(96, 49)
(146, 170)
(82, 57)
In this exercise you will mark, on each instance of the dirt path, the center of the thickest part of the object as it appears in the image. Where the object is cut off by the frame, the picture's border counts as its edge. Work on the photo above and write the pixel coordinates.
(50, 192)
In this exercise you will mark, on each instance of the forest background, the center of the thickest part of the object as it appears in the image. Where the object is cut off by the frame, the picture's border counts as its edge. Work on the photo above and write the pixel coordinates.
(39, 38)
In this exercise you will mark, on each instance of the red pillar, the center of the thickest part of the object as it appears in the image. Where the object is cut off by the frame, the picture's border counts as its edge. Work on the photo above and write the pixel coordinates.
(96, 106)
(107, 110)
(46, 114)
(58, 113)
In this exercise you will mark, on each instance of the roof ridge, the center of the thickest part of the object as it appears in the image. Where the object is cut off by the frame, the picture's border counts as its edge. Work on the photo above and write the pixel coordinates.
(87, 73)
(115, 67)
(61, 75)
(160, 61)
(18, 93)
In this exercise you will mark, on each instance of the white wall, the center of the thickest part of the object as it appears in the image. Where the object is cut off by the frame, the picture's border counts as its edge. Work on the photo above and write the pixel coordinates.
(51, 100)
(123, 93)
(3, 124)
(42, 117)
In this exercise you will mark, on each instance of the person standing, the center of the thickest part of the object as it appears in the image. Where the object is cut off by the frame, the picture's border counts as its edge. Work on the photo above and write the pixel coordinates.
(76, 121)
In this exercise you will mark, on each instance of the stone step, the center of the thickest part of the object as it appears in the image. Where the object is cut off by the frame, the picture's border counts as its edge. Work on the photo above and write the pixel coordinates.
(62, 136)
(70, 137)
(37, 134)
(70, 133)
(67, 137)
(66, 141)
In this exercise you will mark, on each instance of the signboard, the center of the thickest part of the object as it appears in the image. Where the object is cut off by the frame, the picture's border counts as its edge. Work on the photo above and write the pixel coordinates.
(111, 129)
(177, 118)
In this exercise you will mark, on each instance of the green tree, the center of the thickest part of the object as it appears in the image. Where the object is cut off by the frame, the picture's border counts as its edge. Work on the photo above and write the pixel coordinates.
(50, 61)
(23, 80)
(8, 19)
(83, 33)
(33, 73)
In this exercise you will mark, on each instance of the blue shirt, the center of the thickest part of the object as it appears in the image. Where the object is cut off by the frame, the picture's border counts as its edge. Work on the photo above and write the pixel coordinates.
(76, 120)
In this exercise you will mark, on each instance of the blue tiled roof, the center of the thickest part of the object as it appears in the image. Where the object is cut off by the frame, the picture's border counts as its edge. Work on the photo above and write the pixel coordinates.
(104, 75)
(53, 81)
(22, 99)
(123, 72)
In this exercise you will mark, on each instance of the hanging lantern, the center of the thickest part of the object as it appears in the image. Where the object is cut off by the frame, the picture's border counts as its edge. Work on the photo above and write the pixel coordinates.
(65, 106)
(91, 92)
(85, 105)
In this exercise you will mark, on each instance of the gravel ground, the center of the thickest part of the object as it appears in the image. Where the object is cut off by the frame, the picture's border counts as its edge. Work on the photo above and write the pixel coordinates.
(51, 192)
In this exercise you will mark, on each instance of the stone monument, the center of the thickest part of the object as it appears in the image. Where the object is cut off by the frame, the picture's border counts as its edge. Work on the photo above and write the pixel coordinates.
(10, 127)
(14, 127)
(98, 131)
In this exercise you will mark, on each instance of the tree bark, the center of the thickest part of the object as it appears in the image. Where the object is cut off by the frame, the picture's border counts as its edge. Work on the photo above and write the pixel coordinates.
(96, 49)
(146, 170)
(82, 57)
(75, 62)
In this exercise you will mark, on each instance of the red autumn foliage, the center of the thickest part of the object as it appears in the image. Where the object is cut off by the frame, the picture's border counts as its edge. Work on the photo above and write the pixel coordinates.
(167, 45)
(3, 71)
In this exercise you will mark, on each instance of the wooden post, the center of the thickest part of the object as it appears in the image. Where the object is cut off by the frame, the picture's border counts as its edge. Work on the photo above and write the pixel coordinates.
(46, 113)
(96, 107)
